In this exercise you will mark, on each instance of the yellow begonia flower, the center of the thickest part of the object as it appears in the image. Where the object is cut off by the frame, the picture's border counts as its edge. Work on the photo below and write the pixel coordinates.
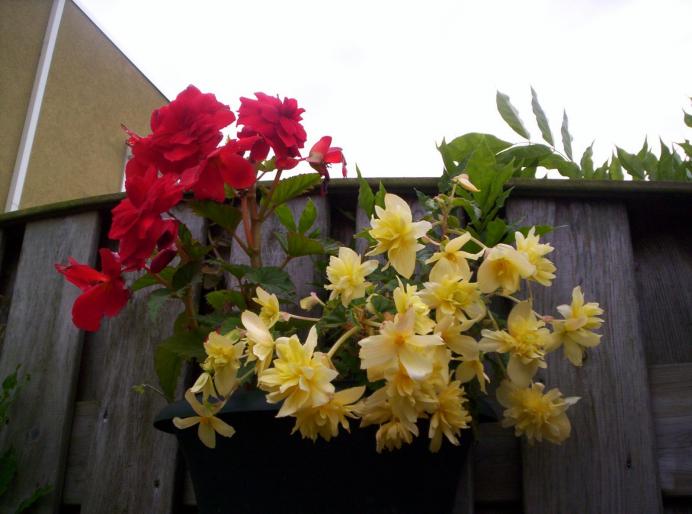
(452, 253)
(224, 353)
(465, 346)
(526, 340)
(535, 251)
(397, 343)
(394, 433)
(325, 419)
(299, 375)
(449, 416)
(405, 297)
(347, 274)
(270, 312)
(260, 341)
(451, 294)
(397, 234)
(502, 268)
(575, 331)
(309, 302)
(536, 415)
(209, 424)
(205, 385)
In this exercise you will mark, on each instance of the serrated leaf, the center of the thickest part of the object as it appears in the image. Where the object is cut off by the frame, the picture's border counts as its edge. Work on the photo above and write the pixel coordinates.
(185, 274)
(510, 115)
(307, 217)
(366, 198)
(379, 196)
(298, 245)
(541, 119)
(292, 187)
(615, 170)
(494, 232)
(566, 136)
(186, 345)
(563, 166)
(665, 164)
(602, 171)
(525, 155)
(224, 215)
(285, 216)
(8, 469)
(237, 270)
(167, 365)
(457, 152)
(272, 279)
(587, 162)
(225, 299)
(631, 163)
(688, 119)
(155, 302)
(32, 500)
(148, 280)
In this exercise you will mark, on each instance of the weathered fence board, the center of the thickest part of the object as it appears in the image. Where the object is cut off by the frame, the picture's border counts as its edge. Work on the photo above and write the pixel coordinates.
(144, 467)
(41, 338)
(608, 464)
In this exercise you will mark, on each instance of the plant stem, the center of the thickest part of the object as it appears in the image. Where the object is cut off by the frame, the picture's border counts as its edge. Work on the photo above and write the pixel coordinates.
(341, 341)
(304, 318)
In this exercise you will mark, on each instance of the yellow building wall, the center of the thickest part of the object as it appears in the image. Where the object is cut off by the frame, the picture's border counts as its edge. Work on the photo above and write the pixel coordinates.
(22, 27)
(92, 88)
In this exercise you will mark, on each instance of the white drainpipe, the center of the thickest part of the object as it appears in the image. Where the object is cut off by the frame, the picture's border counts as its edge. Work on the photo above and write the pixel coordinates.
(27, 141)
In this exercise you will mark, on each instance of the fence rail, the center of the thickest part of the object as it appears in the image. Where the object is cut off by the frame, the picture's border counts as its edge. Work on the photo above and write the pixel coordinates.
(79, 427)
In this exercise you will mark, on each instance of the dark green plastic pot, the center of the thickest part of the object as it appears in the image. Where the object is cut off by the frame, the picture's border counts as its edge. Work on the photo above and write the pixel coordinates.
(263, 469)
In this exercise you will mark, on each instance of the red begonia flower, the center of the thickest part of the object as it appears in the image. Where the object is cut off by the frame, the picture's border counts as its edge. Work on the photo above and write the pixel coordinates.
(277, 122)
(137, 221)
(184, 132)
(226, 165)
(104, 293)
(322, 155)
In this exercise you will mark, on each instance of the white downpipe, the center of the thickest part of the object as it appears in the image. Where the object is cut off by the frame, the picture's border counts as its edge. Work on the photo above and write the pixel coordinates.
(30, 123)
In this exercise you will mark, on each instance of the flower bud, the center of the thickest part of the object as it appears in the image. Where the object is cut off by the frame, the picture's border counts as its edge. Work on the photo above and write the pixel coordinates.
(463, 181)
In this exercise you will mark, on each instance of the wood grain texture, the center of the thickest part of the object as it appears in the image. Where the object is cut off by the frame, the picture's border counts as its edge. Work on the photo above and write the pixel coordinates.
(671, 397)
(608, 464)
(663, 257)
(41, 338)
(301, 270)
(127, 455)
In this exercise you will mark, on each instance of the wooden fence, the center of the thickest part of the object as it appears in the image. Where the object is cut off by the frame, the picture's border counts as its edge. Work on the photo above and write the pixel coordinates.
(79, 427)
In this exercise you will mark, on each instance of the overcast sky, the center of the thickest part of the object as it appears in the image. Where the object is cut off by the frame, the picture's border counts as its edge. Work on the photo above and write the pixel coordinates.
(388, 80)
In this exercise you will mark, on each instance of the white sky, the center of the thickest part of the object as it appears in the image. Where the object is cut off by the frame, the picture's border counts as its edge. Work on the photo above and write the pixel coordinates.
(389, 79)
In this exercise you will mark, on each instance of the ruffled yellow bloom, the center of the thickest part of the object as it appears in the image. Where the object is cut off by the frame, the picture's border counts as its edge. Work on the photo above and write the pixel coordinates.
(575, 332)
(535, 251)
(394, 433)
(299, 375)
(397, 234)
(405, 297)
(452, 253)
(209, 424)
(397, 343)
(451, 293)
(526, 340)
(223, 356)
(205, 385)
(536, 415)
(449, 416)
(325, 419)
(502, 268)
(260, 341)
(347, 275)
(270, 312)
(465, 346)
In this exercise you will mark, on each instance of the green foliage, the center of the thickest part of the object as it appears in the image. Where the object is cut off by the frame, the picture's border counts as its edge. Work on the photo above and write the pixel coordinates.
(171, 353)
(292, 187)
(510, 115)
(272, 279)
(366, 198)
(226, 299)
(541, 119)
(298, 245)
(224, 215)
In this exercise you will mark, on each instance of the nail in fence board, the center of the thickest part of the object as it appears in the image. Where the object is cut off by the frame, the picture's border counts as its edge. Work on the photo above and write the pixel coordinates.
(131, 466)
(301, 270)
(41, 338)
(608, 464)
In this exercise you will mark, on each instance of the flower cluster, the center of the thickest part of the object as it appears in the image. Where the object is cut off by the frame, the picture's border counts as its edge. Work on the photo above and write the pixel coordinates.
(417, 332)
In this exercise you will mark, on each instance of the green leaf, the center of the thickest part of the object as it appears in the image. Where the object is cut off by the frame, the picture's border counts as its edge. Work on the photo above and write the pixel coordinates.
(566, 136)
(292, 187)
(169, 356)
(541, 119)
(224, 215)
(494, 232)
(8, 469)
(225, 299)
(29, 502)
(148, 280)
(237, 270)
(587, 162)
(366, 198)
(602, 171)
(185, 274)
(525, 155)
(562, 165)
(510, 115)
(688, 119)
(307, 217)
(379, 196)
(155, 302)
(298, 245)
(665, 164)
(631, 163)
(272, 279)
(615, 170)
(457, 152)
(285, 215)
